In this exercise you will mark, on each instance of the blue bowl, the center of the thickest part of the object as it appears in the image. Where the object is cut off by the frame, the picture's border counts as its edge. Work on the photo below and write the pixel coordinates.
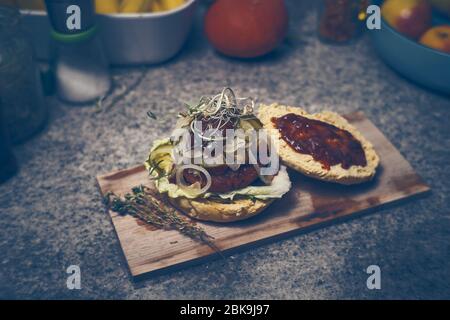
(421, 64)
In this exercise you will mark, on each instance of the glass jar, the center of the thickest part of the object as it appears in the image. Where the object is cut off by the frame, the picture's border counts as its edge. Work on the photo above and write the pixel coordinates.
(78, 60)
(20, 84)
(341, 20)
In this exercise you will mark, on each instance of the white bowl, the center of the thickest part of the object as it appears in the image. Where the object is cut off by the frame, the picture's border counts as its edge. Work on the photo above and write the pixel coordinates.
(132, 38)
(147, 37)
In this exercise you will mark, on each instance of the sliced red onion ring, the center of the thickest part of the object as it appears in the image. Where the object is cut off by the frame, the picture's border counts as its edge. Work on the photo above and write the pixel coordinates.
(196, 187)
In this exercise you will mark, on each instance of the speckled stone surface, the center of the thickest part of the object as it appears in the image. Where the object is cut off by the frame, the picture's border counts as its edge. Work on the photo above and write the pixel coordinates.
(52, 215)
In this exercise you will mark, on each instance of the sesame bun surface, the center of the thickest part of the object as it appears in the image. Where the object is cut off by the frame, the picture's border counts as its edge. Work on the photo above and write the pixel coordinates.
(208, 209)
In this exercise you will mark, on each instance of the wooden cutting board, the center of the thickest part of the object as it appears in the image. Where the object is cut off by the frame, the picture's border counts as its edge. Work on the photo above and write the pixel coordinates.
(310, 203)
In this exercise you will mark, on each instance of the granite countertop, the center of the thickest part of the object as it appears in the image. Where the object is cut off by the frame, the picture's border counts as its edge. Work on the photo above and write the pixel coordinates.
(52, 215)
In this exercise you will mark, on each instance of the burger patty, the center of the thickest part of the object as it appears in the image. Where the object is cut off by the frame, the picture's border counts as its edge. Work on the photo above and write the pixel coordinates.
(223, 179)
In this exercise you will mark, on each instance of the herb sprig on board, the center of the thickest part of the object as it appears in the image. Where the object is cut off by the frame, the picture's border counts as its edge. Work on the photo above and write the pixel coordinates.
(142, 204)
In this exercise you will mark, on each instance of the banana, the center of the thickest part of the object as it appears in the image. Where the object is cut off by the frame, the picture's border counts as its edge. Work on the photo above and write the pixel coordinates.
(134, 6)
(107, 6)
(164, 5)
(147, 7)
(172, 4)
(156, 6)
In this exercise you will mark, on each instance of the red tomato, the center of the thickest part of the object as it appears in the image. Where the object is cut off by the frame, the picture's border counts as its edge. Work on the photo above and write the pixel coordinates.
(246, 28)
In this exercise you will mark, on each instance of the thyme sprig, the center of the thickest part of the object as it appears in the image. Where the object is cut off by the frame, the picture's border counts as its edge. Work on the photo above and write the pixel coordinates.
(143, 204)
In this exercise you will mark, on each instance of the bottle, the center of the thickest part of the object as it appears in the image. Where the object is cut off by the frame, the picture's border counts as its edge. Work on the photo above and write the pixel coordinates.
(8, 165)
(341, 21)
(78, 60)
(24, 110)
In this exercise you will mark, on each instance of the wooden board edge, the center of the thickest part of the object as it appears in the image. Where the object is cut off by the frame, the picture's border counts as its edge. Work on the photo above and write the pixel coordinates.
(143, 272)
(109, 214)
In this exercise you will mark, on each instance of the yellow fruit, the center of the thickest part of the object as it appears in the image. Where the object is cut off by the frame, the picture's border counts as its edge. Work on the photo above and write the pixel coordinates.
(156, 6)
(164, 5)
(409, 17)
(172, 4)
(147, 6)
(134, 6)
(107, 6)
(437, 38)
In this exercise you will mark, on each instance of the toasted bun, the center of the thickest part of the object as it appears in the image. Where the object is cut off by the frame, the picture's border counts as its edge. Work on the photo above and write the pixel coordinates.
(220, 210)
(305, 163)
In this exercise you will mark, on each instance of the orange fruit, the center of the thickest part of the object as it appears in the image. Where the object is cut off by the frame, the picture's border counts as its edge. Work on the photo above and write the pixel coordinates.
(437, 38)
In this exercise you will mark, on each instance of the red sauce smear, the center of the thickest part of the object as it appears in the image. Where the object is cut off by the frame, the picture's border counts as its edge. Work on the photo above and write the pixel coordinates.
(326, 143)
